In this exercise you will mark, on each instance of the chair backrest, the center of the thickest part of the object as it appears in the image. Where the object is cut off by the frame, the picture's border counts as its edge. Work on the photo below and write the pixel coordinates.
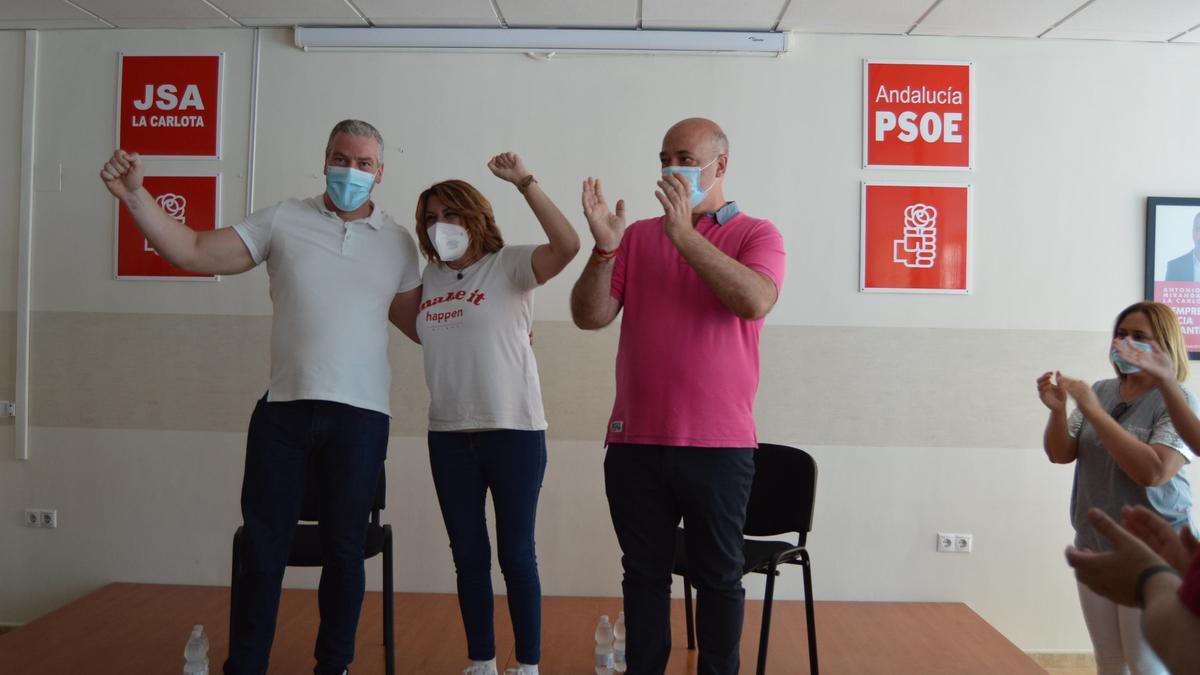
(783, 492)
(308, 509)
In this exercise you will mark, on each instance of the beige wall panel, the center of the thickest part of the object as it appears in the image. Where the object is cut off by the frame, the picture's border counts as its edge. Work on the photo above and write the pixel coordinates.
(821, 386)
(919, 387)
(147, 371)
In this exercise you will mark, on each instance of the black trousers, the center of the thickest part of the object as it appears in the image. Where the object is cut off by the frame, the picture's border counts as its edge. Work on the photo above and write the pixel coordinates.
(350, 445)
(649, 488)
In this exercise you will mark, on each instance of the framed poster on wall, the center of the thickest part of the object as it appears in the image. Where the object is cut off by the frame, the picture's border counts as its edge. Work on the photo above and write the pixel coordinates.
(1173, 261)
(918, 114)
(193, 200)
(170, 105)
(915, 238)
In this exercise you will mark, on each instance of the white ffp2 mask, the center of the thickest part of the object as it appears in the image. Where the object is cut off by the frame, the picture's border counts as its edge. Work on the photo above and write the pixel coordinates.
(449, 240)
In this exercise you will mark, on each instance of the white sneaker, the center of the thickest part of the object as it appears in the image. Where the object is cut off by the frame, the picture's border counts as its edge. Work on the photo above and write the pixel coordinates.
(527, 670)
(481, 668)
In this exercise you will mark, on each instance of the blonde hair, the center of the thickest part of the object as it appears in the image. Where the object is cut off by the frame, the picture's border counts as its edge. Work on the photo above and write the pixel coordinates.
(1167, 333)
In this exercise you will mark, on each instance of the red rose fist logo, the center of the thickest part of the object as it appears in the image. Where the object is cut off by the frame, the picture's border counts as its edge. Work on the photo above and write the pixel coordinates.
(918, 248)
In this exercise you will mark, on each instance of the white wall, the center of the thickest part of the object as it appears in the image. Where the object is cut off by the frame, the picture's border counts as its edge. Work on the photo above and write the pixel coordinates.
(12, 75)
(1071, 138)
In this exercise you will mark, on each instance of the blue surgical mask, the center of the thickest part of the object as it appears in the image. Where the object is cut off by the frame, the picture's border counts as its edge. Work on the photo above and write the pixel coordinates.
(692, 174)
(1123, 365)
(348, 187)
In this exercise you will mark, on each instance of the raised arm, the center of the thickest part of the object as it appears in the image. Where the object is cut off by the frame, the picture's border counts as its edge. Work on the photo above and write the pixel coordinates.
(592, 303)
(218, 251)
(563, 242)
(748, 293)
(1158, 365)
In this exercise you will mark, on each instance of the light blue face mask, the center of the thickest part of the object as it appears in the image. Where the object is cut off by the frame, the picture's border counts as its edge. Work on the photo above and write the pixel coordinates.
(692, 174)
(347, 187)
(1123, 365)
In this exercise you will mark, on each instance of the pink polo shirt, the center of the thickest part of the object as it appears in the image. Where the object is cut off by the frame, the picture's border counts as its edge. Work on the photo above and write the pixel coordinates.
(687, 366)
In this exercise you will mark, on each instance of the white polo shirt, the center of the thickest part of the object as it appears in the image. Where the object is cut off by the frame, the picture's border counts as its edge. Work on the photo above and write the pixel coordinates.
(332, 282)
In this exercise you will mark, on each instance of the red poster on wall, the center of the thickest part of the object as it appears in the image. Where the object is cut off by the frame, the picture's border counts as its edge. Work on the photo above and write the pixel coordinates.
(917, 115)
(170, 106)
(194, 201)
(916, 238)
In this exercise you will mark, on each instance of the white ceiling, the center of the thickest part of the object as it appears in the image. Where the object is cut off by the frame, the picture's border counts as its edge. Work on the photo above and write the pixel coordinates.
(1175, 21)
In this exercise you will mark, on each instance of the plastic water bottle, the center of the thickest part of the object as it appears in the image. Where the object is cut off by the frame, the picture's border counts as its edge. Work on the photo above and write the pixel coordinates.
(619, 664)
(195, 654)
(604, 646)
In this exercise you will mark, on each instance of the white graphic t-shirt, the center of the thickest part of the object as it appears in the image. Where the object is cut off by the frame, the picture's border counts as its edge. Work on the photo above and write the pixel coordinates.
(475, 333)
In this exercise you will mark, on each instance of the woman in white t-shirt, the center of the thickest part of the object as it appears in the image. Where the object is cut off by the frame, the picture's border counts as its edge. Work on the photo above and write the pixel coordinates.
(486, 423)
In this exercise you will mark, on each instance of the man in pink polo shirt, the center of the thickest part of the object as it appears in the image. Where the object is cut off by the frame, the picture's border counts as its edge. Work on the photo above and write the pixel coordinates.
(695, 285)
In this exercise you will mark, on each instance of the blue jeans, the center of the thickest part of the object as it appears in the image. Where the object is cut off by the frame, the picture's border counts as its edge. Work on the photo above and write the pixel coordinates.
(348, 446)
(649, 488)
(511, 464)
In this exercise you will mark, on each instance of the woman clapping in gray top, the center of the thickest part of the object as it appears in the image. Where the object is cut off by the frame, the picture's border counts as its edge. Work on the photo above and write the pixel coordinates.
(1126, 453)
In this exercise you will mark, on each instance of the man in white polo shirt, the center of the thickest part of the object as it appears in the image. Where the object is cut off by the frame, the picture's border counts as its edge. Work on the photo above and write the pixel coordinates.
(339, 268)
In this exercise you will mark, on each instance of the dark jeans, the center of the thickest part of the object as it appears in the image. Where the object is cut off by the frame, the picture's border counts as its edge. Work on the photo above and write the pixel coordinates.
(511, 464)
(650, 487)
(348, 446)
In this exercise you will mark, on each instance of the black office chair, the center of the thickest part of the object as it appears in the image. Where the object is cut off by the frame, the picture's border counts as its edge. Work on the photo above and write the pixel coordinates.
(781, 502)
(306, 552)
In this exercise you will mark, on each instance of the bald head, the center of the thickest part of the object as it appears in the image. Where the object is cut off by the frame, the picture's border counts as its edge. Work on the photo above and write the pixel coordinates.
(704, 134)
(699, 143)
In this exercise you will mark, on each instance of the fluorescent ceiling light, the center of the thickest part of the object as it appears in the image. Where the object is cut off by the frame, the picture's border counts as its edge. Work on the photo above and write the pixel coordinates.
(542, 40)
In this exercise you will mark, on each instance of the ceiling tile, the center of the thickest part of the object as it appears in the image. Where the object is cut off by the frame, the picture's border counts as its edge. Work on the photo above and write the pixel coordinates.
(1011, 18)
(290, 12)
(157, 13)
(45, 15)
(569, 13)
(1140, 20)
(424, 13)
(1192, 37)
(711, 14)
(853, 16)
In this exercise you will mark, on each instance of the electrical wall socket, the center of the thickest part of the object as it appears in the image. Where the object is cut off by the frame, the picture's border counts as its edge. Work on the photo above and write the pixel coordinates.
(43, 518)
(945, 542)
(952, 542)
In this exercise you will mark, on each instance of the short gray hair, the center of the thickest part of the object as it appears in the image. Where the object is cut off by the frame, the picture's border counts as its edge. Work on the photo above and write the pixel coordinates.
(355, 128)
